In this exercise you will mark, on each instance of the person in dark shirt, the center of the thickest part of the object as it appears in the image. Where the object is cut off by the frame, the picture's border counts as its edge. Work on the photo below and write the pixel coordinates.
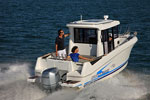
(59, 44)
(75, 55)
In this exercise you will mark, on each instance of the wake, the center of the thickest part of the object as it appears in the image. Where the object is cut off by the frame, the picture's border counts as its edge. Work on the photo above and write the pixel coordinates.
(127, 85)
(13, 84)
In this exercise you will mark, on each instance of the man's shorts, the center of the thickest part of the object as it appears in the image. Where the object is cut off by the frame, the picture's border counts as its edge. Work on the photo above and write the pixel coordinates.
(62, 54)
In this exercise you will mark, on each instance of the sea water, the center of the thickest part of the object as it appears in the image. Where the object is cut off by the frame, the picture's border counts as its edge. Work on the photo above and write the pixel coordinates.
(28, 29)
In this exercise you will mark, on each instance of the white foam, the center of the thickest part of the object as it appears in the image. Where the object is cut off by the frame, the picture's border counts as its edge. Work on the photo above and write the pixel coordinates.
(127, 85)
(64, 94)
(13, 84)
(14, 72)
(124, 86)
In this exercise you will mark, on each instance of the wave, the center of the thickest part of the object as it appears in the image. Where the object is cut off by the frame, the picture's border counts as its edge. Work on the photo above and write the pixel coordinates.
(14, 85)
(127, 85)
(12, 72)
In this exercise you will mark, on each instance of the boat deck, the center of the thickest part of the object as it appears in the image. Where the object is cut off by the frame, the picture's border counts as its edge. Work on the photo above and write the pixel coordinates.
(81, 61)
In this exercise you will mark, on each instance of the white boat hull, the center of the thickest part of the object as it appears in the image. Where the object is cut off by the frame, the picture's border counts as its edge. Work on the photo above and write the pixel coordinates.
(106, 67)
(96, 38)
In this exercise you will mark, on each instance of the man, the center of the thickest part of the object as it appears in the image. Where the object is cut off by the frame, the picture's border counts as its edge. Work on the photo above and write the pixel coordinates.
(59, 44)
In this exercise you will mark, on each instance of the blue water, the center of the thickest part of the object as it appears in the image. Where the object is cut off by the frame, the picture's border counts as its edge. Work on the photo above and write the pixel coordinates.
(28, 29)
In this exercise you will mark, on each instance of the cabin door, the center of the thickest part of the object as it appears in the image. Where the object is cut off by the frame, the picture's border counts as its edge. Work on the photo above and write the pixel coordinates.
(108, 41)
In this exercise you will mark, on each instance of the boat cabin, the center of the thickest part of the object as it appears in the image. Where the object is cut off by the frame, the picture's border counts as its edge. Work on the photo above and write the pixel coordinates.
(93, 37)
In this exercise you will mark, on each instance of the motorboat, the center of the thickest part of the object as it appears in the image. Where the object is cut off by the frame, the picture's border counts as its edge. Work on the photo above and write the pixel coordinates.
(99, 39)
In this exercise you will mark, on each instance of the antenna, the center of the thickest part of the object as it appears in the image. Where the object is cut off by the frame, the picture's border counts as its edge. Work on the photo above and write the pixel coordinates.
(127, 30)
(81, 17)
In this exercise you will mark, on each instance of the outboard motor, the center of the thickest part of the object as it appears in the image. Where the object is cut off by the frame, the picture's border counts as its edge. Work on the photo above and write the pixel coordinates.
(50, 79)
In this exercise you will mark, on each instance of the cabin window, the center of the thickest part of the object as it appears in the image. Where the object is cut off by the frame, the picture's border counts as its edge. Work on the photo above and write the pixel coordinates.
(85, 35)
(104, 35)
(115, 31)
(108, 37)
(111, 32)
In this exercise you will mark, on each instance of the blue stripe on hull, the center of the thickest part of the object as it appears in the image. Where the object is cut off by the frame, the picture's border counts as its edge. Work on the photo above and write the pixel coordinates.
(106, 74)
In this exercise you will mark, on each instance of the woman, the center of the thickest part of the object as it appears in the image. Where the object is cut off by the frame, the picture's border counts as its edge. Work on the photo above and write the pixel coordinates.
(75, 55)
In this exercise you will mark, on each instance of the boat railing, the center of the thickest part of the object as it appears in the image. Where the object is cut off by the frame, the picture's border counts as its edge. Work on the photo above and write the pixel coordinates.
(128, 36)
(52, 55)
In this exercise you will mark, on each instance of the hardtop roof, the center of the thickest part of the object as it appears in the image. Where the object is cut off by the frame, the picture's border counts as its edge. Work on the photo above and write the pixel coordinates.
(94, 23)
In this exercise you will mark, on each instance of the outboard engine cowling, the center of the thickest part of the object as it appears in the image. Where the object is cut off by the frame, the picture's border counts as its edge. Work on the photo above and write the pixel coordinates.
(50, 79)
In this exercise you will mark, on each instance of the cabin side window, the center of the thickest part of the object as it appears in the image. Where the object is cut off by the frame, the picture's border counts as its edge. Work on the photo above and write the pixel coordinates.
(108, 37)
(85, 35)
(115, 31)
(111, 32)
